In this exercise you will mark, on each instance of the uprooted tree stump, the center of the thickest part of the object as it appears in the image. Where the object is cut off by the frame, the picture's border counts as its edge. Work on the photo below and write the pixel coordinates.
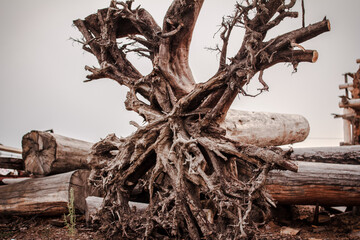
(199, 183)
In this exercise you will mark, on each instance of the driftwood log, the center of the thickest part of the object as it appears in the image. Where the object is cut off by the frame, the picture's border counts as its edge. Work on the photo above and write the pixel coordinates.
(10, 149)
(9, 181)
(191, 166)
(45, 196)
(265, 129)
(325, 184)
(47, 153)
(339, 155)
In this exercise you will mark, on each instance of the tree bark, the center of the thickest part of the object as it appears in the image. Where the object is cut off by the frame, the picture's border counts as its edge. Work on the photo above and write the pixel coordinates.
(325, 184)
(339, 155)
(12, 163)
(265, 129)
(47, 153)
(45, 196)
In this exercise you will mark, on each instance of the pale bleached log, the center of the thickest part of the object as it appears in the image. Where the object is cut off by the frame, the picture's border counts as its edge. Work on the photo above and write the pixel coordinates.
(350, 103)
(340, 155)
(347, 126)
(10, 149)
(9, 181)
(346, 85)
(325, 184)
(265, 129)
(45, 196)
(47, 153)
(93, 204)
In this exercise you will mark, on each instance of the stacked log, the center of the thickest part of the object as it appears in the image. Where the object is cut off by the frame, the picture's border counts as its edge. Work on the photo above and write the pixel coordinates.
(265, 129)
(326, 184)
(48, 153)
(45, 196)
(339, 155)
(318, 181)
(12, 163)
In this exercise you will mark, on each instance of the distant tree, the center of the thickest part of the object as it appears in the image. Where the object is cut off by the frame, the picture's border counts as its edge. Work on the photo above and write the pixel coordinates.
(199, 183)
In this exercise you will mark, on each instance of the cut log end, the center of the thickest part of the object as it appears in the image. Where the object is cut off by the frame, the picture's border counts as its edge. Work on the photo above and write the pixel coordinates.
(39, 149)
(328, 25)
(47, 153)
(315, 56)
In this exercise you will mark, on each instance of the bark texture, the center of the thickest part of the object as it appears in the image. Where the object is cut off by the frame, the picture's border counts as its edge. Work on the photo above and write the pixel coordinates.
(199, 183)
(339, 155)
(325, 184)
(11, 163)
(47, 153)
(45, 196)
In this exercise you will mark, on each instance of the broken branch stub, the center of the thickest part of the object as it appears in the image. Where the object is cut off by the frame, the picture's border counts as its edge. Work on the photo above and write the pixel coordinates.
(199, 183)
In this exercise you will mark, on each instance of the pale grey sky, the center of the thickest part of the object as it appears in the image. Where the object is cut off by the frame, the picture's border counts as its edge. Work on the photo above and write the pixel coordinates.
(42, 71)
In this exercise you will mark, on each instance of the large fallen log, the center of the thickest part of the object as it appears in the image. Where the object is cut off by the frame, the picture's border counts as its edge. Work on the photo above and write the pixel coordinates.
(265, 129)
(47, 153)
(44, 196)
(325, 184)
(341, 155)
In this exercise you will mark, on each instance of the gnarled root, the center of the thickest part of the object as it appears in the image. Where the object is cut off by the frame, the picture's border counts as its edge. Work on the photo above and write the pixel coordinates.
(197, 186)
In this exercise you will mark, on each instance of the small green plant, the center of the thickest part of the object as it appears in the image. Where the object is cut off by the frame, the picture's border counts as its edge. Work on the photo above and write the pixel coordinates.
(70, 218)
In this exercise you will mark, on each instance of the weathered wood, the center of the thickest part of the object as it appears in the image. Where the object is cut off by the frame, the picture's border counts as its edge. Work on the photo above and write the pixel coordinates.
(345, 85)
(10, 149)
(9, 181)
(350, 103)
(11, 163)
(45, 196)
(47, 153)
(265, 129)
(340, 155)
(325, 184)
(347, 126)
(93, 204)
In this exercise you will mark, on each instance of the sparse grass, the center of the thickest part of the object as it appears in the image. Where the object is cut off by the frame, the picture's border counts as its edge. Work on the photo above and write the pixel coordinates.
(70, 218)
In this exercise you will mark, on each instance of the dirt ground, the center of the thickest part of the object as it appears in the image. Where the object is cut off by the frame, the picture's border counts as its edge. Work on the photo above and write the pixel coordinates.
(288, 223)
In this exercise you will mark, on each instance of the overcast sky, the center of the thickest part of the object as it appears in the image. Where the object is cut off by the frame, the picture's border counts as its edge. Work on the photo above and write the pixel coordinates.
(42, 71)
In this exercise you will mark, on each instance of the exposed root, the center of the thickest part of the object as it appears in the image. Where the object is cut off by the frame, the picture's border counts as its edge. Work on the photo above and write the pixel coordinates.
(197, 186)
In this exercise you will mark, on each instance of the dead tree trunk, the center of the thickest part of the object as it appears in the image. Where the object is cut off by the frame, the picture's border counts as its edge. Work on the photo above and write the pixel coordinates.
(47, 153)
(325, 184)
(45, 196)
(182, 158)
